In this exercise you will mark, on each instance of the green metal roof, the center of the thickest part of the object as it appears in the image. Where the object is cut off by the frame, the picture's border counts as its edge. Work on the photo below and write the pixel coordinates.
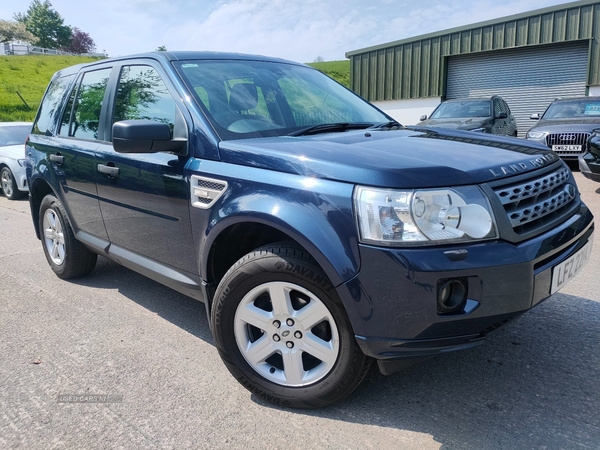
(415, 67)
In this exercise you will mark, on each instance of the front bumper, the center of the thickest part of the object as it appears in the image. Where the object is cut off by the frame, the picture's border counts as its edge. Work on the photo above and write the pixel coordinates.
(392, 302)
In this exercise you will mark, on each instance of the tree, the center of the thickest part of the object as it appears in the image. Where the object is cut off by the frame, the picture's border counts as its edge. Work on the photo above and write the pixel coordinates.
(161, 48)
(319, 59)
(80, 43)
(15, 31)
(46, 25)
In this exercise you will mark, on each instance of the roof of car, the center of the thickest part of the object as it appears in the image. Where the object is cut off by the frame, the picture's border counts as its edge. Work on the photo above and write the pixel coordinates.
(471, 99)
(178, 56)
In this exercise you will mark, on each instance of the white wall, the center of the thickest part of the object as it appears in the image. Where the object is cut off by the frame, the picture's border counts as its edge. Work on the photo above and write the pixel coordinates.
(594, 91)
(408, 112)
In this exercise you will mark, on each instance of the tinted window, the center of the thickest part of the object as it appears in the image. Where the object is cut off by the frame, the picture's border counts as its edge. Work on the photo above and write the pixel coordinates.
(44, 123)
(86, 114)
(143, 95)
(63, 129)
(497, 108)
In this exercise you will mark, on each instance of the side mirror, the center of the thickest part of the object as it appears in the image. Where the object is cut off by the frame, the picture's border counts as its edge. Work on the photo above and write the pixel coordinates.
(144, 136)
(423, 117)
(502, 115)
(535, 117)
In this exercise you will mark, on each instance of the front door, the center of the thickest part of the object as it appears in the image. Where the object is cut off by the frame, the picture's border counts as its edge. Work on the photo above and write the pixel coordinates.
(144, 198)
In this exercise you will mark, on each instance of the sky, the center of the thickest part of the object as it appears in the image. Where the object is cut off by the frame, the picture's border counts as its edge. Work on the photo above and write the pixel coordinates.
(298, 30)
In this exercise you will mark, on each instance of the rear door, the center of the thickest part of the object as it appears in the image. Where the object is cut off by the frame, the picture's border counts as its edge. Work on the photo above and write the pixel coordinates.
(79, 135)
(68, 132)
(144, 198)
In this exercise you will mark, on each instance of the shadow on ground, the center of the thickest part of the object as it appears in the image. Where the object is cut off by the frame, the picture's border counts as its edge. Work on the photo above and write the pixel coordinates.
(183, 311)
(533, 384)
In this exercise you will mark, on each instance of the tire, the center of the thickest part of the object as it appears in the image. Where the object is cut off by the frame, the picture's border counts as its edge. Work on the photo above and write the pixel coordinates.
(67, 257)
(282, 331)
(9, 185)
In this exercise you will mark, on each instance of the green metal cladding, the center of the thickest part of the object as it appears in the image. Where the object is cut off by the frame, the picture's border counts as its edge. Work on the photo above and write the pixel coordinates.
(414, 68)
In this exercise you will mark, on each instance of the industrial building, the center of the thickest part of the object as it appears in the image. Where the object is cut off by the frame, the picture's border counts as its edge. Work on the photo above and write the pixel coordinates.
(529, 59)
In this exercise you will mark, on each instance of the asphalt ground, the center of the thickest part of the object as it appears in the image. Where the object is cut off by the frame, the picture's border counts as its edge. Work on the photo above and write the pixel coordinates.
(115, 360)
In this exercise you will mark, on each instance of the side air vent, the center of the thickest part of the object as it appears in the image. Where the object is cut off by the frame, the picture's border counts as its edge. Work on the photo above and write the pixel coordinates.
(206, 191)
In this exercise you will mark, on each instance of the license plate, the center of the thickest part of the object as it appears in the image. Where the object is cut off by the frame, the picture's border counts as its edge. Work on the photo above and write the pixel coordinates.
(566, 270)
(566, 148)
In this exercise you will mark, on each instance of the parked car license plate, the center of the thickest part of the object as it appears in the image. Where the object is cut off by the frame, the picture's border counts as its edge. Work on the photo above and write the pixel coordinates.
(566, 148)
(566, 270)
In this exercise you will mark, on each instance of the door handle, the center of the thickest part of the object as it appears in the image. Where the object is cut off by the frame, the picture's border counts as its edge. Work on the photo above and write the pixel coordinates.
(109, 170)
(58, 158)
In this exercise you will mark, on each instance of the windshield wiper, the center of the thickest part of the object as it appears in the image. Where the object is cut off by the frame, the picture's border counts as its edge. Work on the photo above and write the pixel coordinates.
(330, 128)
(391, 125)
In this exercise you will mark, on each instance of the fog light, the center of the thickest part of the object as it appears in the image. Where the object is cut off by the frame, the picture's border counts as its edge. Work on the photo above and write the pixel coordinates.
(451, 295)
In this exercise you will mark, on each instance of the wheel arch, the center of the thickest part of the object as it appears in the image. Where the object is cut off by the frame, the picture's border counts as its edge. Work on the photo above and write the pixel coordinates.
(234, 237)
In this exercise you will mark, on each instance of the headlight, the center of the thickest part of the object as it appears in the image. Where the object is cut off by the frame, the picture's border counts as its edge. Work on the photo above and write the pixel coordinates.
(478, 130)
(536, 134)
(21, 162)
(434, 216)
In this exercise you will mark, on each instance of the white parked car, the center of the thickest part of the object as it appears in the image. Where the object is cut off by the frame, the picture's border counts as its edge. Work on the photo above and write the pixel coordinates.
(13, 180)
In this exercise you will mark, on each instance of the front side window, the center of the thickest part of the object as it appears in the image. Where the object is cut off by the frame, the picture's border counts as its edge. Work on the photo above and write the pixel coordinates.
(88, 104)
(142, 94)
(497, 108)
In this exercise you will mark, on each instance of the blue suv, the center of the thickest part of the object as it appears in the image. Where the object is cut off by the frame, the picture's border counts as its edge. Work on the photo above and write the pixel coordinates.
(320, 234)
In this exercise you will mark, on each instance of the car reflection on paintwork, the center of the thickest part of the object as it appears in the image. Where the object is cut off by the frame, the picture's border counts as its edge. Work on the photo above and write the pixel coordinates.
(484, 115)
(566, 125)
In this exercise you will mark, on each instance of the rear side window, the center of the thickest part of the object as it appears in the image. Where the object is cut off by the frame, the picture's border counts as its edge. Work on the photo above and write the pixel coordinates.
(44, 123)
(142, 94)
(88, 104)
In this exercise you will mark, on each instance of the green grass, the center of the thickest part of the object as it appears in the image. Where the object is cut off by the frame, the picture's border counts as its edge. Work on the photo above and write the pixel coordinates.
(338, 70)
(29, 76)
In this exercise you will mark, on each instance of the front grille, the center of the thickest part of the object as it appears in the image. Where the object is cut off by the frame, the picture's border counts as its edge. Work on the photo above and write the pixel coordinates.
(567, 144)
(533, 203)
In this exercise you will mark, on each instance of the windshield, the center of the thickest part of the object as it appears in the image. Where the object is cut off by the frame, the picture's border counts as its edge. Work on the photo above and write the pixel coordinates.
(459, 109)
(573, 109)
(245, 99)
(13, 134)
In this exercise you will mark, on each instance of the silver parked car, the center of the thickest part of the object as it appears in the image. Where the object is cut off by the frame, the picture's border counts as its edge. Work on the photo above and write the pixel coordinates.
(13, 179)
(566, 125)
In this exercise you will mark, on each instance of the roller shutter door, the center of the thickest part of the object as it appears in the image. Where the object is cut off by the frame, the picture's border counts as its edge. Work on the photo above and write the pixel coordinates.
(527, 78)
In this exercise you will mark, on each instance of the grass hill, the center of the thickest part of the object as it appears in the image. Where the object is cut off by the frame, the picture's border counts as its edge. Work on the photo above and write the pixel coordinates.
(28, 75)
(338, 70)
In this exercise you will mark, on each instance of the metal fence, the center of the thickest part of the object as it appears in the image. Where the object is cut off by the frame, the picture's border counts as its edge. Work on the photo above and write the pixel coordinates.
(13, 48)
